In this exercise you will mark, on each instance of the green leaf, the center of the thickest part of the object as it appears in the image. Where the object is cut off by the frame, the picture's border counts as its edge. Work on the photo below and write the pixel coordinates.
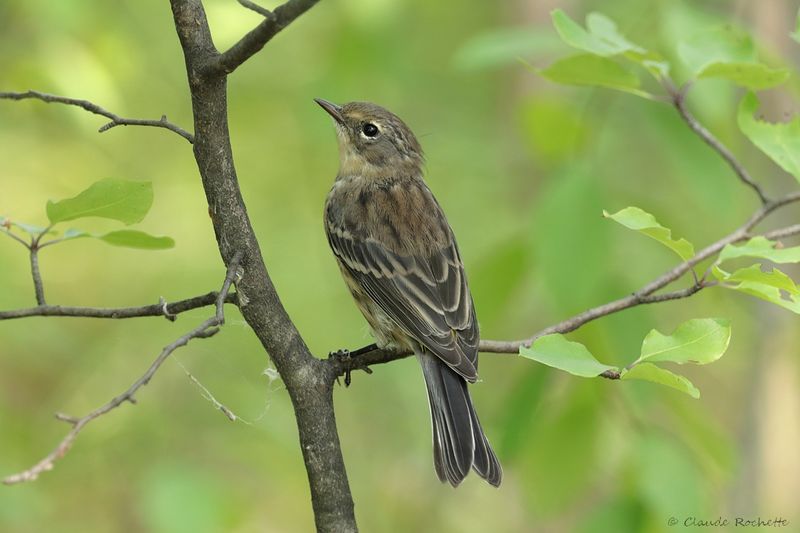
(592, 70)
(605, 29)
(765, 285)
(643, 222)
(73, 233)
(137, 239)
(123, 200)
(126, 238)
(656, 374)
(701, 341)
(603, 39)
(722, 44)
(768, 293)
(574, 35)
(753, 76)
(30, 229)
(780, 141)
(652, 61)
(762, 248)
(753, 273)
(796, 33)
(556, 351)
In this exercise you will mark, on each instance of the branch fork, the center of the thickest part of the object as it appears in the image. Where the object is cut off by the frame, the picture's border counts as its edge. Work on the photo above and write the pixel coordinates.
(206, 329)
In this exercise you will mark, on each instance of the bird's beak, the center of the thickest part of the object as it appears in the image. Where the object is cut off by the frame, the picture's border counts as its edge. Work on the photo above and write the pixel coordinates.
(333, 110)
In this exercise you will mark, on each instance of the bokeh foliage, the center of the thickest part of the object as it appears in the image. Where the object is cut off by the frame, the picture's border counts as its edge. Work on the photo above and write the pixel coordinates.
(524, 168)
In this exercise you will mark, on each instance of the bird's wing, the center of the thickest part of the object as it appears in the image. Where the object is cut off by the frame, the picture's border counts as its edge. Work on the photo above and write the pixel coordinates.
(425, 294)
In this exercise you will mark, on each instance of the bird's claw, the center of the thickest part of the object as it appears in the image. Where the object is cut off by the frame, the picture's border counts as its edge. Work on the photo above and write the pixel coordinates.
(342, 356)
(348, 364)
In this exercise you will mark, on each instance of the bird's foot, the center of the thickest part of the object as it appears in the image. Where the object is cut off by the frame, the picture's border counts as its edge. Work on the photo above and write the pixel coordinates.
(344, 361)
(340, 355)
(347, 363)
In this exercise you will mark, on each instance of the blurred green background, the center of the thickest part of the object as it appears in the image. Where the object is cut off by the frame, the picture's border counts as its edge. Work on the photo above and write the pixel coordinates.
(523, 169)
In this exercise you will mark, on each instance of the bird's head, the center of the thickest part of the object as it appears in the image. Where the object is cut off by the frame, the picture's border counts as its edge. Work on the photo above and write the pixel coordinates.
(372, 138)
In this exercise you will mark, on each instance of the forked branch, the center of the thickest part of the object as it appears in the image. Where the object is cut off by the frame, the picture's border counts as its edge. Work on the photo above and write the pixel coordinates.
(255, 40)
(115, 120)
(207, 328)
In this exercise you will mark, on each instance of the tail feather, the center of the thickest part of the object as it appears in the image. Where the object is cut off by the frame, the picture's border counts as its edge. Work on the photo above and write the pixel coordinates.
(486, 463)
(458, 439)
(452, 458)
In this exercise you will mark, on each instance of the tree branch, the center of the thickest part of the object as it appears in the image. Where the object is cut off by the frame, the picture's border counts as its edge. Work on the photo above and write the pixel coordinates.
(309, 382)
(264, 12)
(116, 120)
(645, 295)
(168, 310)
(782, 233)
(679, 101)
(255, 40)
(206, 329)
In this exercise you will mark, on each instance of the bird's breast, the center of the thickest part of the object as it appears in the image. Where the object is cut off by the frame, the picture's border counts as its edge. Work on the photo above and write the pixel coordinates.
(400, 214)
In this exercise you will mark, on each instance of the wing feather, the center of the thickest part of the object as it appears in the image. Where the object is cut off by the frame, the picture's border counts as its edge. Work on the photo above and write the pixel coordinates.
(425, 294)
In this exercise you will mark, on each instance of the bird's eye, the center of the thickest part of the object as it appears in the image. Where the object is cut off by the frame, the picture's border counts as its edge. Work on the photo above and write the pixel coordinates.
(369, 129)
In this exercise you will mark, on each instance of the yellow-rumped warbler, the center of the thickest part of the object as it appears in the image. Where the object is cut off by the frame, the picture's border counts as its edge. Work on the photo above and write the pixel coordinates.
(399, 258)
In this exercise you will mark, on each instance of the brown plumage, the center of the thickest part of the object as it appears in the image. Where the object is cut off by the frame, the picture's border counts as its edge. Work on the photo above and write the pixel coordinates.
(400, 260)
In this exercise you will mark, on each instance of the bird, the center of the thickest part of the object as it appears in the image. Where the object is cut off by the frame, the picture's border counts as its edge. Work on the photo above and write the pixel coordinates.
(399, 258)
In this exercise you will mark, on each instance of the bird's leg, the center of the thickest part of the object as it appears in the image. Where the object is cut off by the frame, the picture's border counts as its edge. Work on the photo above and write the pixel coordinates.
(342, 356)
(345, 360)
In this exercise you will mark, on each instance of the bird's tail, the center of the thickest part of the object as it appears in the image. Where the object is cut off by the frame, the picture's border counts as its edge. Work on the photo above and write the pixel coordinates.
(458, 439)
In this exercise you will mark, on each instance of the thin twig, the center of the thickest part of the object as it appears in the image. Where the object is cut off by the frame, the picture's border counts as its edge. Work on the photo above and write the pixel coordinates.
(679, 101)
(115, 120)
(37, 276)
(264, 12)
(255, 40)
(645, 295)
(230, 415)
(782, 233)
(168, 310)
(206, 329)
(7, 231)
